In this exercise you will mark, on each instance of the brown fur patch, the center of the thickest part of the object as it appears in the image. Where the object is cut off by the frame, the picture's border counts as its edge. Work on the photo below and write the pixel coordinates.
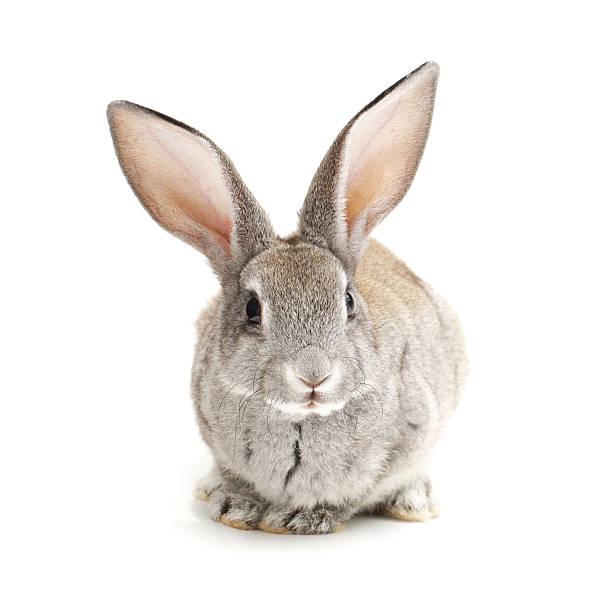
(270, 529)
(387, 284)
(235, 524)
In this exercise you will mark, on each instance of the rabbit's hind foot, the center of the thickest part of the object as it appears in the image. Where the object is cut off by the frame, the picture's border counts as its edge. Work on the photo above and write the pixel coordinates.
(413, 502)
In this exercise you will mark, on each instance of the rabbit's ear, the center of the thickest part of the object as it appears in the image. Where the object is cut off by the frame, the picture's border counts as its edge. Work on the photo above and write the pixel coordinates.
(188, 185)
(370, 166)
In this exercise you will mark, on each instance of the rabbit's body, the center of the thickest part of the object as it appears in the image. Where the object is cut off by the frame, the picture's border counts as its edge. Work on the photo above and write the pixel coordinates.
(325, 369)
(345, 463)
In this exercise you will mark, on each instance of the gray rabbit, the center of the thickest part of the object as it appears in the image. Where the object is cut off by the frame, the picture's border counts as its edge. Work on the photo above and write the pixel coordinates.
(325, 369)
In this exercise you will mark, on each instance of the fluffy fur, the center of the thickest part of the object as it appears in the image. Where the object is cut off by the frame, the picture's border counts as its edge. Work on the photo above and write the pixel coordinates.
(317, 413)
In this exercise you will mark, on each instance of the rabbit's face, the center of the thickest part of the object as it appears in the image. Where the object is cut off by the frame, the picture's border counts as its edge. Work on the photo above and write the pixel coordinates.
(298, 341)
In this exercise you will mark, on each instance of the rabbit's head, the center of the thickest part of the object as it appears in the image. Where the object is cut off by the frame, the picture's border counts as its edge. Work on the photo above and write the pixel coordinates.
(296, 330)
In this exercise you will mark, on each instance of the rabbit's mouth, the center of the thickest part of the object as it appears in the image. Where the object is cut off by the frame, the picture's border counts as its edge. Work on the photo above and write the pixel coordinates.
(315, 398)
(316, 402)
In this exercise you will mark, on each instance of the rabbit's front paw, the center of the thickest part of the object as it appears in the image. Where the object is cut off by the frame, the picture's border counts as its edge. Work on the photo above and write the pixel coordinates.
(232, 509)
(317, 520)
(413, 502)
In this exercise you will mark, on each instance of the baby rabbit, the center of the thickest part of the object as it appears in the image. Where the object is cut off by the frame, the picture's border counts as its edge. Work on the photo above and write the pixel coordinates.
(325, 369)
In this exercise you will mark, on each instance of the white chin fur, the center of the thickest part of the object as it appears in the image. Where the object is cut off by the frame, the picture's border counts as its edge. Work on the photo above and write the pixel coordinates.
(301, 411)
(291, 408)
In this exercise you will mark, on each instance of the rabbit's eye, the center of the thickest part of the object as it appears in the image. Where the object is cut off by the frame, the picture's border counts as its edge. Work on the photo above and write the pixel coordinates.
(350, 305)
(253, 311)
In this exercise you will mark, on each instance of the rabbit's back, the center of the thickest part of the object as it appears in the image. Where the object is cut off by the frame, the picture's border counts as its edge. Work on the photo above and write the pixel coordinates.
(416, 330)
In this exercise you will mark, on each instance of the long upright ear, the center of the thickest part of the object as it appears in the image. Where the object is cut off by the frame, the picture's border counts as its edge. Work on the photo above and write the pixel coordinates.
(370, 166)
(188, 185)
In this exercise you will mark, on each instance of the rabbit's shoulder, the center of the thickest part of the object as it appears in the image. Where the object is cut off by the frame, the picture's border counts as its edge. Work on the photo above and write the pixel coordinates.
(388, 285)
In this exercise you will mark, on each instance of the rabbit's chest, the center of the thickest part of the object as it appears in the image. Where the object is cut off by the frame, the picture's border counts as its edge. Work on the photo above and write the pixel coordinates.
(310, 462)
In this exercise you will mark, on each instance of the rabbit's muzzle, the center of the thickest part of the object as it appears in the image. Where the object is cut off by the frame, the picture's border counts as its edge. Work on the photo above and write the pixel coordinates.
(310, 383)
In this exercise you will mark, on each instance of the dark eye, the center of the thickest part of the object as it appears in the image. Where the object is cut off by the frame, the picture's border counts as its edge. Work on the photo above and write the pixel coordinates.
(350, 305)
(253, 311)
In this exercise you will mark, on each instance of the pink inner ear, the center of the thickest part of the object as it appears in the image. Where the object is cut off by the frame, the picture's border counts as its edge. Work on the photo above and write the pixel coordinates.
(177, 177)
(195, 177)
(384, 147)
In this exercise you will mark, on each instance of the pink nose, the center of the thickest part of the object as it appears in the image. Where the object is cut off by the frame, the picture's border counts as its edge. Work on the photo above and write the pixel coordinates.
(314, 383)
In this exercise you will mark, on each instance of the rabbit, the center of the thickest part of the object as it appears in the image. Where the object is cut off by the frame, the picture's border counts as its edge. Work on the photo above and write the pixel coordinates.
(325, 369)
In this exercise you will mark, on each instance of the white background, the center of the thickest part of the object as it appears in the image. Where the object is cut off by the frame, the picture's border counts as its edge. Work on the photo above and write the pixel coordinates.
(509, 219)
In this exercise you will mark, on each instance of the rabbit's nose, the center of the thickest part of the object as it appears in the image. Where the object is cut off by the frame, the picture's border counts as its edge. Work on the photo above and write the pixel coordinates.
(312, 366)
(313, 383)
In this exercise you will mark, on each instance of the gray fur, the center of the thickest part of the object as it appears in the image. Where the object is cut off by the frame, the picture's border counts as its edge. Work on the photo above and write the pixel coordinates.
(403, 375)
(399, 366)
